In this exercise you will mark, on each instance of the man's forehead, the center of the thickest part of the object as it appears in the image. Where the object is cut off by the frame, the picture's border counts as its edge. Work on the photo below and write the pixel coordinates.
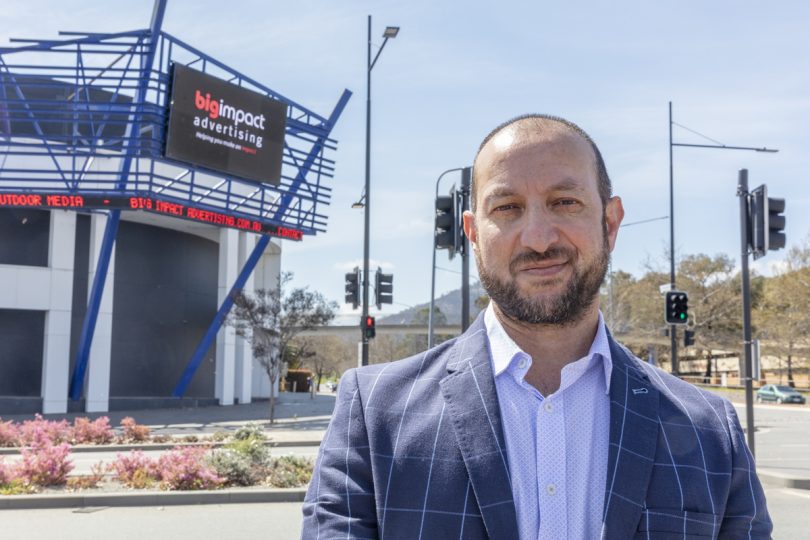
(513, 141)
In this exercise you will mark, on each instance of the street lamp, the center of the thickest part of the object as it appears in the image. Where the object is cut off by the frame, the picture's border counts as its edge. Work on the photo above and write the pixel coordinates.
(719, 146)
(389, 33)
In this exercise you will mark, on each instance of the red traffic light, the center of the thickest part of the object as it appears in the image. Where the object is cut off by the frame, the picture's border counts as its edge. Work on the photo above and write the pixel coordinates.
(369, 328)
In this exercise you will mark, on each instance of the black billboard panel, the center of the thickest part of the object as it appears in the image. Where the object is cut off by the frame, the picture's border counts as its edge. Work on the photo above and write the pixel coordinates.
(224, 127)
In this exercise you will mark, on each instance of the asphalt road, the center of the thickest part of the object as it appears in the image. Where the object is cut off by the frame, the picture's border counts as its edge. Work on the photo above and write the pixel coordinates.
(781, 439)
(276, 521)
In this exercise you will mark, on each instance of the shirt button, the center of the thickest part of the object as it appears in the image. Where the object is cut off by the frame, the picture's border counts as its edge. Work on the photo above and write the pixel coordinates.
(551, 488)
(522, 363)
(548, 406)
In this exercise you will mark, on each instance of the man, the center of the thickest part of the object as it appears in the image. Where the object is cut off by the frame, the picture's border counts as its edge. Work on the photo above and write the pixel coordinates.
(534, 423)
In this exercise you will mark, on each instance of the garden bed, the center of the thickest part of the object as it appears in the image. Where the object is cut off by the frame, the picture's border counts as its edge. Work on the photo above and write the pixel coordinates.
(218, 461)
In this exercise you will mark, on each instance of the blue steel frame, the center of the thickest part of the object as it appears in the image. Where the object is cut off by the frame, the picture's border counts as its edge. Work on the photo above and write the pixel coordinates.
(115, 114)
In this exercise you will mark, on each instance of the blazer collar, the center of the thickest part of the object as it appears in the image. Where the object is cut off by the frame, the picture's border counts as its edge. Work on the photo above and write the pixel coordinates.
(633, 441)
(472, 402)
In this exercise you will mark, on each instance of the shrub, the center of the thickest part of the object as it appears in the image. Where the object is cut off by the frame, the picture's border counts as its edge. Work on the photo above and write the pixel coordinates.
(162, 438)
(235, 468)
(191, 438)
(17, 487)
(186, 468)
(9, 431)
(219, 436)
(45, 464)
(289, 471)
(255, 450)
(40, 431)
(87, 481)
(134, 432)
(95, 432)
(249, 431)
(7, 472)
(135, 469)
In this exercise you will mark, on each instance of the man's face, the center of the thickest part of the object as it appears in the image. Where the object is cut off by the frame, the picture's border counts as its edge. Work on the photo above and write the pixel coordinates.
(541, 236)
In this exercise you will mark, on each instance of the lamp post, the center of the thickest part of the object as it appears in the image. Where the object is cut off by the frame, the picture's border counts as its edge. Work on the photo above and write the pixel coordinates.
(719, 146)
(390, 32)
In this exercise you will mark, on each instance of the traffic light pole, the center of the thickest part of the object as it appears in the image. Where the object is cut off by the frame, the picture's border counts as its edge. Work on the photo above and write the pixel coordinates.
(745, 238)
(433, 266)
(367, 217)
(672, 332)
(465, 251)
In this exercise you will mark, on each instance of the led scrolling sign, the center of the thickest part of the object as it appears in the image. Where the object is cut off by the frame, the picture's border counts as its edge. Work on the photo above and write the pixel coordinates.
(47, 201)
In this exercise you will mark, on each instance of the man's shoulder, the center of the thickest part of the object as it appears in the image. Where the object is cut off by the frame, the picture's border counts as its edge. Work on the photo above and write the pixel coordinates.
(426, 365)
(683, 396)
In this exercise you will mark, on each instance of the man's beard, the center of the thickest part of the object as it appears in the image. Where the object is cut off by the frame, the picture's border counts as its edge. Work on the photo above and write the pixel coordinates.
(566, 308)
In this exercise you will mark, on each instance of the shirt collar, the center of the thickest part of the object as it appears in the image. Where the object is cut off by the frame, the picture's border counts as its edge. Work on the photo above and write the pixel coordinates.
(505, 351)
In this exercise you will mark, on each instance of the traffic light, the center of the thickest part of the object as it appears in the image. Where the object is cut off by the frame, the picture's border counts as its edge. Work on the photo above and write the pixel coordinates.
(688, 338)
(384, 288)
(767, 222)
(353, 288)
(369, 328)
(447, 229)
(677, 307)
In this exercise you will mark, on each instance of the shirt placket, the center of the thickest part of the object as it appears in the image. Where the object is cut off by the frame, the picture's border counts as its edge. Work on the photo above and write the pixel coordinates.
(551, 452)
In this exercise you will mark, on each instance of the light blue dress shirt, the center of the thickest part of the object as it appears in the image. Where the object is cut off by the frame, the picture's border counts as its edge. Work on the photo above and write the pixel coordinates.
(556, 445)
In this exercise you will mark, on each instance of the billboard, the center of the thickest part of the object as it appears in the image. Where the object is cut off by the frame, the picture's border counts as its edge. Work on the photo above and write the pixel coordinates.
(157, 205)
(224, 127)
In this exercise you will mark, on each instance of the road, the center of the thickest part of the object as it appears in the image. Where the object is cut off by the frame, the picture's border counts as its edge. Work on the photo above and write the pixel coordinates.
(276, 521)
(782, 438)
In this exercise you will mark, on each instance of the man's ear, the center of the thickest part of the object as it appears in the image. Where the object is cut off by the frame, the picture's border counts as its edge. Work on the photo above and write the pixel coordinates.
(614, 214)
(468, 220)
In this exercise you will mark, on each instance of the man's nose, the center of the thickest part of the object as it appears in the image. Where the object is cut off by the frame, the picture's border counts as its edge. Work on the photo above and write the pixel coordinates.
(540, 230)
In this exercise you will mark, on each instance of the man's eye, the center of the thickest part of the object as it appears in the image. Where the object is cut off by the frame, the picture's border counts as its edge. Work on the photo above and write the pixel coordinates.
(566, 202)
(505, 207)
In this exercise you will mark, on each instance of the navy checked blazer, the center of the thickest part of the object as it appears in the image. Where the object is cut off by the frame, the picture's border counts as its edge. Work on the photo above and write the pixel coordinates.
(415, 449)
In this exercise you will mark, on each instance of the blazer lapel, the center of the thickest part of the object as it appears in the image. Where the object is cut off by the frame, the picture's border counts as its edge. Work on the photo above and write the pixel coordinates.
(633, 441)
(469, 391)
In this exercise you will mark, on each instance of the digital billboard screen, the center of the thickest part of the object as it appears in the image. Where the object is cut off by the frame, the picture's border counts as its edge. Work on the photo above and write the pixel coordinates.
(156, 205)
(224, 127)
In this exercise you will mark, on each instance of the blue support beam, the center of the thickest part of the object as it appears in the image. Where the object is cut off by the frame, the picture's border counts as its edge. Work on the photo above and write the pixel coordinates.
(250, 264)
(219, 318)
(111, 229)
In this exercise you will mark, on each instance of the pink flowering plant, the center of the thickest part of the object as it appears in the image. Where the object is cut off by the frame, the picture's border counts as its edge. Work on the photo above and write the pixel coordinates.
(7, 472)
(9, 432)
(135, 469)
(45, 464)
(134, 432)
(186, 468)
(98, 431)
(40, 431)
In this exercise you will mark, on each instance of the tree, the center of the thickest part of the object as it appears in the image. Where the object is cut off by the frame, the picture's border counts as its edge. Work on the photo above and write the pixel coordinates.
(271, 318)
(783, 318)
(327, 355)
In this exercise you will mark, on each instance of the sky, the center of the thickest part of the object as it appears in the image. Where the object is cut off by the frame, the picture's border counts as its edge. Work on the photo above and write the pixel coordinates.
(736, 72)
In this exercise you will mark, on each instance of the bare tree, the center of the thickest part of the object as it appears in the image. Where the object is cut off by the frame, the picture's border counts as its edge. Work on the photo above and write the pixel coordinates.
(271, 318)
(326, 355)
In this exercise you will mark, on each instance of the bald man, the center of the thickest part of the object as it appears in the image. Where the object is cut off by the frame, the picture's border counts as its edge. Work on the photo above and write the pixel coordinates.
(534, 423)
